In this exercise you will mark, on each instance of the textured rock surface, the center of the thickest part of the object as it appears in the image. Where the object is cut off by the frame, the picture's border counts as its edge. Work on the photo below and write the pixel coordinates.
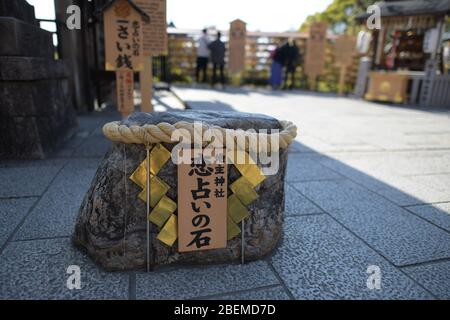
(35, 117)
(36, 102)
(19, 38)
(31, 69)
(111, 224)
(19, 9)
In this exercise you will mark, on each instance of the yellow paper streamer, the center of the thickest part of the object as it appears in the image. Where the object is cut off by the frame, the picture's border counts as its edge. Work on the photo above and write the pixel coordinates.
(252, 173)
(163, 215)
(243, 189)
(232, 229)
(158, 188)
(236, 210)
(139, 176)
(162, 212)
(163, 207)
(169, 232)
(158, 158)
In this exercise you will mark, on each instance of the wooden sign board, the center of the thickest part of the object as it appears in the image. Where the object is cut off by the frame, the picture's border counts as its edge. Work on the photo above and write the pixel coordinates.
(146, 82)
(237, 41)
(202, 206)
(125, 91)
(315, 49)
(123, 37)
(344, 50)
(155, 32)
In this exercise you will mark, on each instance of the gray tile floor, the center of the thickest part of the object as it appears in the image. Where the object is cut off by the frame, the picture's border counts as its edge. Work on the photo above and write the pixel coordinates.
(367, 185)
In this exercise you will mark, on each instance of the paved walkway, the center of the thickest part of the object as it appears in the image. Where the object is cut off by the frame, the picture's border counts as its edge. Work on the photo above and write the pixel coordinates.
(367, 185)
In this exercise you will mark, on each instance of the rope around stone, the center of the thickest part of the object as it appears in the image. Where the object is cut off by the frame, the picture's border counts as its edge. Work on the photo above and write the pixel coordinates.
(162, 133)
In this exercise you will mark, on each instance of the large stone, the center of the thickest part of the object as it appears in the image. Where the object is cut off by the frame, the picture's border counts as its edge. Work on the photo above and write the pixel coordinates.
(111, 225)
(19, 9)
(34, 137)
(23, 39)
(34, 98)
(35, 117)
(30, 69)
(36, 105)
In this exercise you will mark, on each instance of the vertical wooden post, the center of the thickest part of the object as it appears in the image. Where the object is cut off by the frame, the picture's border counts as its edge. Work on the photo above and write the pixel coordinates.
(72, 47)
(146, 82)
(379, 58)
(312, 82)
(123, 49)
(125, 92)
(236, 46)
(342, 73)
(438, 42)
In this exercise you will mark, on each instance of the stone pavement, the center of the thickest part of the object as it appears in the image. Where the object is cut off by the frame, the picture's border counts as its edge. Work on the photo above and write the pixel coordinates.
(367, 184)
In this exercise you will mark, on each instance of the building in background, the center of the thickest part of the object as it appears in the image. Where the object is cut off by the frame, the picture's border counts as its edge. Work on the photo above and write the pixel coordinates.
(406, 54)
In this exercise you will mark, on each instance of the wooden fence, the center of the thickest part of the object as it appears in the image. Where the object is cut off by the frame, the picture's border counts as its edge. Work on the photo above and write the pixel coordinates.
(182, 53)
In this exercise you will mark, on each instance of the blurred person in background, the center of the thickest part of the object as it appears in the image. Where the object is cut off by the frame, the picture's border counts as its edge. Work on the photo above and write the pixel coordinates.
(217, 48)
(202, 56)
(292, 60)
(276, 71)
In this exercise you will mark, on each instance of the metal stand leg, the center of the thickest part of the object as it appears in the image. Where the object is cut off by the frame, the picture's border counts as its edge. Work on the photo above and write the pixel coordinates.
(242, 242)
(148, 208)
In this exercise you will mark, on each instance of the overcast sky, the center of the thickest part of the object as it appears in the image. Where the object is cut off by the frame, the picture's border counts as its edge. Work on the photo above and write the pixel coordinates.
(264, 15)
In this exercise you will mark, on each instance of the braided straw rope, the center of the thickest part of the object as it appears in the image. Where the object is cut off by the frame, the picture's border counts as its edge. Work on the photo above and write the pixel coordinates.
(162, 133)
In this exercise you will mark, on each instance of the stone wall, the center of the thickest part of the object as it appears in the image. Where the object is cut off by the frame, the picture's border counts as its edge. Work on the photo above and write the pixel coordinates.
(36, 111)
(19, 9)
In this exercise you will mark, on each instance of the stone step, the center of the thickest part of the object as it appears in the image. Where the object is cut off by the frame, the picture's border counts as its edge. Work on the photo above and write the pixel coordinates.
(33, 98)
(35, 137)
(19, 9)
(19, 38)
(30, 69)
